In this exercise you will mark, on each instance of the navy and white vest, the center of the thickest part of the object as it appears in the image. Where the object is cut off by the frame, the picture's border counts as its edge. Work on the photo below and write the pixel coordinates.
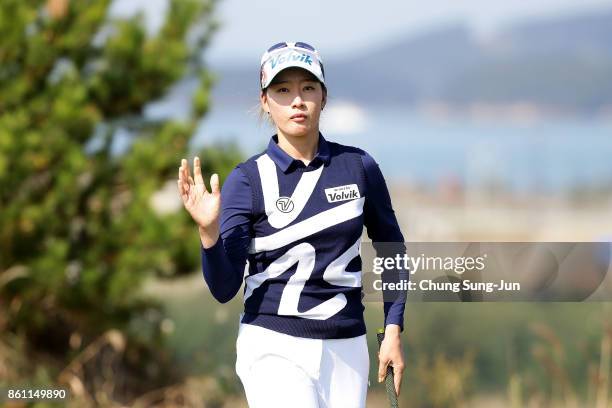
(304, 275)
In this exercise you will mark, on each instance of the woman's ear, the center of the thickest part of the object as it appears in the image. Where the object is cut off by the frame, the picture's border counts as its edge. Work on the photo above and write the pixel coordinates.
(324, 101)
(263, 98)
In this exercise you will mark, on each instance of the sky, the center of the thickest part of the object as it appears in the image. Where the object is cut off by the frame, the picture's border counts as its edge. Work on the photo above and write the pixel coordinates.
(343, 27)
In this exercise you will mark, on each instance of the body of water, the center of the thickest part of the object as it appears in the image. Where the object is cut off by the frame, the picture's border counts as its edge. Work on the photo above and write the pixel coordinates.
(541, 155)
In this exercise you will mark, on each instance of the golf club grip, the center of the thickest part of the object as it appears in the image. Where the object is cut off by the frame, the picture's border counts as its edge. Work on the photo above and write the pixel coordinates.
(389, 379)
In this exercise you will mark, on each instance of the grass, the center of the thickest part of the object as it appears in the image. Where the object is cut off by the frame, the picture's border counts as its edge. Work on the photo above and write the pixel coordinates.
(486, 351)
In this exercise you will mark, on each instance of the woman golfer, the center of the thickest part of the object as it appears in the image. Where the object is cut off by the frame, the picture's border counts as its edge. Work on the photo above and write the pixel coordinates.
(296, 213)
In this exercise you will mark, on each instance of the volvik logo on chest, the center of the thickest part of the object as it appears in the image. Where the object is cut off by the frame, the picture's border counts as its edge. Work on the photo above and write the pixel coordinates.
(284, 204)
(342, 193)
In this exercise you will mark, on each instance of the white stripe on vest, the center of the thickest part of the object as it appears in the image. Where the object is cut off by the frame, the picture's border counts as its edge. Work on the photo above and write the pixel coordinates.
(309, 226)
(304, 255)
(269, 184)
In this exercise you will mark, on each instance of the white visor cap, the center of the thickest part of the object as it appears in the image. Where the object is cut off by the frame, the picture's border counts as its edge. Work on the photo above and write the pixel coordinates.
(290, 54)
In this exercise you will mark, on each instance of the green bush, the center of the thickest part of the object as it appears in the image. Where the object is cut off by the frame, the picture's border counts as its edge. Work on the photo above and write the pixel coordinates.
(78, 233)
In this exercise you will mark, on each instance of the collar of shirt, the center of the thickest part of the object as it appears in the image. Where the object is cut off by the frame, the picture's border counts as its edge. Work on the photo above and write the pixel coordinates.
(286, 162)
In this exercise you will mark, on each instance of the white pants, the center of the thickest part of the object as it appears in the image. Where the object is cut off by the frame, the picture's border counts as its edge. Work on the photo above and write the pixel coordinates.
(278, 370)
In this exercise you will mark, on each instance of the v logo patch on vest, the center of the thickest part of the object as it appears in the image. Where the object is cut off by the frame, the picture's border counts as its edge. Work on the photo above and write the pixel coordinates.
(342, 193)
(284, 204)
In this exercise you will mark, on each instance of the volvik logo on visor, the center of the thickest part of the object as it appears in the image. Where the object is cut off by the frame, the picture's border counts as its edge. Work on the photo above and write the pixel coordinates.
(292, 57)
(284, 204)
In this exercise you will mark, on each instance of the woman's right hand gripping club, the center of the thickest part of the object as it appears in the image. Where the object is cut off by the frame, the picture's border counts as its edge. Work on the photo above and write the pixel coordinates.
(203, 206)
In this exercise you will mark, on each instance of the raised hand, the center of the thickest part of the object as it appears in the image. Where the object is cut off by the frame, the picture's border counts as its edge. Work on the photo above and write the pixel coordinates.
(203, 206)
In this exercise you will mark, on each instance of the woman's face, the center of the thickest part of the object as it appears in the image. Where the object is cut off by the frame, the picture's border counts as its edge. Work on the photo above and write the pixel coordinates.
(294, 99)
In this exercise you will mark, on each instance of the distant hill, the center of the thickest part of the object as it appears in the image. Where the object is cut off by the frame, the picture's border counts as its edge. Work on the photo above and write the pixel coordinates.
(582, 34)
(563, 63)
(407, 70)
